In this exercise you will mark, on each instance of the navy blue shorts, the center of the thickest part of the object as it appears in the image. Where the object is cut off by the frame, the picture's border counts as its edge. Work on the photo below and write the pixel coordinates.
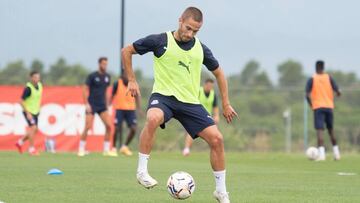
(321, 116)
(128, 115)
(97, 109)
(34, 120)
(193, 117)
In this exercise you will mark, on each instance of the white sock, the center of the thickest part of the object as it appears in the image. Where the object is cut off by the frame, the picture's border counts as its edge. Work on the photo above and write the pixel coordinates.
(220, 181)
(143, 162)
(322, 152)
(31, 149)
(82, 145)
(20, 142)
(336, 150)
(106, 146)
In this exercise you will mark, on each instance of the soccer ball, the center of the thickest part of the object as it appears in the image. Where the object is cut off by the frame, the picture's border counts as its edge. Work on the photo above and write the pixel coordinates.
(180, 185)
(312, 153)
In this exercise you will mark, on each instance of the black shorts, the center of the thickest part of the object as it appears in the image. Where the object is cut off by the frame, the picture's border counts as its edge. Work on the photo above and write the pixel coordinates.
(193, 117)
(34, 120)
(321, 116)
(97, 109)
(128, 115)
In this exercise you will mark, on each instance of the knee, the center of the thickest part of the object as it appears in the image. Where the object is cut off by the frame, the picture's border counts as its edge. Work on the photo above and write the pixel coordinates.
(153, 120)
(133, 128)
(217, 141)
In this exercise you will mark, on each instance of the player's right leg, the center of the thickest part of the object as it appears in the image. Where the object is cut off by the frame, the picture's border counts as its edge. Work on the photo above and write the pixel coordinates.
(319, 119)
(130, 117)
(154, 118)
(188, 144)
(89, 118)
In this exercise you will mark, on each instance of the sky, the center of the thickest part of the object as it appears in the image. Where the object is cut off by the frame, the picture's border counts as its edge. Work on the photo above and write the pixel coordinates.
(269, 31)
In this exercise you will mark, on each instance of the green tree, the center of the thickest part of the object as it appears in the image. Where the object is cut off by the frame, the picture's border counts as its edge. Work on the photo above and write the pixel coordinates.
(249, 73)
(291, 74)
(38, 66)
(262, 80)
(14, 73)
(343, 79)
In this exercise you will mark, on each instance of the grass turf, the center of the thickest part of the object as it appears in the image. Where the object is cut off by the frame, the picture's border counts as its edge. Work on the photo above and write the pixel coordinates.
(250, 178)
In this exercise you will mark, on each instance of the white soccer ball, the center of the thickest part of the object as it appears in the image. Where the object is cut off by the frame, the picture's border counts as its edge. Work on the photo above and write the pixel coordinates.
(180, 185)
(312, 153)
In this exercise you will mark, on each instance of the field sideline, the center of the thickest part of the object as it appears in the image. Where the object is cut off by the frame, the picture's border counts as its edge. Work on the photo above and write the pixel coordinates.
(251, 178)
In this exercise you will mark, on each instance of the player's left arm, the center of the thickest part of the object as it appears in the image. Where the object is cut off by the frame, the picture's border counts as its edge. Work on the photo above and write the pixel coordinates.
(335, 87)
(108, 93)
(228, 111)
(213, 65)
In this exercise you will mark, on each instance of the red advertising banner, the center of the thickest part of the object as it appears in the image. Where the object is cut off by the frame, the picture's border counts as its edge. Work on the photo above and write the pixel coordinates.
(62, 119)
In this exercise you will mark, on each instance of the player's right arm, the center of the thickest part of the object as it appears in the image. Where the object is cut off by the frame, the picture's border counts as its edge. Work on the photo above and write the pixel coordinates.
(126, 54)
(308, 91)
(85, 92)
(26, 94)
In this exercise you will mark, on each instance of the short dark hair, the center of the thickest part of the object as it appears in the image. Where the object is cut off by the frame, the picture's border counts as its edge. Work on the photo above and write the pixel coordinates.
(194, 13)
(209, 80)
(103, 58)
(319, 65)
(34, 72)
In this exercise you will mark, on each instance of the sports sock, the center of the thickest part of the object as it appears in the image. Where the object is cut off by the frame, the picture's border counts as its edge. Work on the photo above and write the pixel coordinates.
(82, 145)
(336, 150)
(322, 152)
(20, 142)
(106, 146)
(31, 149)
(143, 162)
(220, 181)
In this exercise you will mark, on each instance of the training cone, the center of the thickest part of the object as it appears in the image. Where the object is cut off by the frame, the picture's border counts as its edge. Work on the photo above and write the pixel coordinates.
(55, 171)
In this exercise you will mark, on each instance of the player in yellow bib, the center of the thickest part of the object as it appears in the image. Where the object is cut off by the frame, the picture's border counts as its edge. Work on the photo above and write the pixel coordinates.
(208, 99)
(30, 102)
(178, 59)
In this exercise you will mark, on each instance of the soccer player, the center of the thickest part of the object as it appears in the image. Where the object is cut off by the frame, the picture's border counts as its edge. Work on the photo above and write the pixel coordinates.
(208, 99)
(125, 106)
(30, 103)
(96, 101)
(178, 59)
(319, 94)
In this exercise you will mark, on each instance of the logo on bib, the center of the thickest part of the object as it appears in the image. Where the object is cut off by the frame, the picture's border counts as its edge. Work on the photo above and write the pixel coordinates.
(184, 65)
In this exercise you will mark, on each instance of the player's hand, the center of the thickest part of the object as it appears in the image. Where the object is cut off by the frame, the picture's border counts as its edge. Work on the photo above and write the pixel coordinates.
(141, 112)
(216, 119)
(229, 113)
(133, 88)
(88, 108)
(29, 116)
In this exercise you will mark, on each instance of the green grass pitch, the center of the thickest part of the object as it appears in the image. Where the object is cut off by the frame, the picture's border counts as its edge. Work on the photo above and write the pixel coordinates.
(258, 177)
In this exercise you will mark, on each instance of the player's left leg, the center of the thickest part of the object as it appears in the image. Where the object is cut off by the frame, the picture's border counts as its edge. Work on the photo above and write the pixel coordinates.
(214, 138)
(329, 120)
(32, 130)
(105, 117)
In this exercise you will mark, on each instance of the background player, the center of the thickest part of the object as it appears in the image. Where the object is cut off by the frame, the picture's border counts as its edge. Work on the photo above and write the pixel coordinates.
(319, 94)
(96, 98)
(178, 59)
(125, 106)
(30, 102)
(208, 99)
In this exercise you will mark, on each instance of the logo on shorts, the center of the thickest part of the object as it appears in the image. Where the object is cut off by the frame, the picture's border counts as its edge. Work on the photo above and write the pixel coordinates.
(153, 102)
